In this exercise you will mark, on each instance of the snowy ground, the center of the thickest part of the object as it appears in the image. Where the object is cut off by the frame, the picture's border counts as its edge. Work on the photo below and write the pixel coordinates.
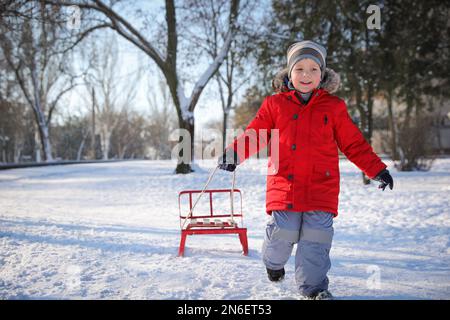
(111, 231)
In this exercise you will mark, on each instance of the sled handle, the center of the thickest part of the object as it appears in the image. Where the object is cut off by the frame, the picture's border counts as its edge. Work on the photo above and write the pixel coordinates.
(199, 196)
(232, 194)
(203, 191)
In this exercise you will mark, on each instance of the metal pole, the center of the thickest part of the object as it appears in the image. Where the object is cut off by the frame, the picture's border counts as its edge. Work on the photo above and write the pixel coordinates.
(232, 195)
(198, 198)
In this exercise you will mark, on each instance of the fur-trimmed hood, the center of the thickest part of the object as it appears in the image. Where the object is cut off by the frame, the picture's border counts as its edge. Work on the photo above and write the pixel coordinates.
(331, 81)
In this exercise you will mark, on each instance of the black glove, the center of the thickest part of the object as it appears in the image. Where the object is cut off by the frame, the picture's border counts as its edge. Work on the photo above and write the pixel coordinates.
(228, 161)
(385, 178)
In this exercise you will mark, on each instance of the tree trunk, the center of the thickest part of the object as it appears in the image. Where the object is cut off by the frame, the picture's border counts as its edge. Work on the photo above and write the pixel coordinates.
(363, 122)
(409, 108)
(3, 139)
(105, 138)
(17, 153)
(93, 124)
(123, 151)
(438, 124)
(417, 113)
(369, 121)
(184, 121)
(37, 147)
(4, 160)
(224, 132)
(40, 119)
(46, 146)
(405, 128)
(392, 127)
(369, 112)
(182, 166)
(80, 149)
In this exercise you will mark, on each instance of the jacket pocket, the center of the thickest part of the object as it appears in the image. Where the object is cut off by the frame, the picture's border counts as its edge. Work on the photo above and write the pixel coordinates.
(324, 185)
(277, 188)
(322, 127)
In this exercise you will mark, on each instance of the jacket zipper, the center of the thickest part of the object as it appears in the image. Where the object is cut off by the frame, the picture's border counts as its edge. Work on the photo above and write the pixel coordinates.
(313, 95)
(325, 119)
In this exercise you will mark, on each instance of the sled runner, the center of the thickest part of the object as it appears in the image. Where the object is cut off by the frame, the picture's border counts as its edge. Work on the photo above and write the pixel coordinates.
(210, 221)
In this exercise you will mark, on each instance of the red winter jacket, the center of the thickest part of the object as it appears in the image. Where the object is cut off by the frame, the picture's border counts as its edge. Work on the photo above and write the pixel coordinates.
(306, 176)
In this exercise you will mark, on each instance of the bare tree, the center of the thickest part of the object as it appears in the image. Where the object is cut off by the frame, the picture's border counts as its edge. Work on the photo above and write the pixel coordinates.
(162, 120)
(32, 48)
(14, 9)
(111, 91)
(85, 134)
(166, 62)
(128, 140)
(206, 31)
(13, 129)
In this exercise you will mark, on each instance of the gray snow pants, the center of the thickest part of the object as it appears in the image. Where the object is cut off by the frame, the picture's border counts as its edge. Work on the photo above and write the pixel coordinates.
(313, 233)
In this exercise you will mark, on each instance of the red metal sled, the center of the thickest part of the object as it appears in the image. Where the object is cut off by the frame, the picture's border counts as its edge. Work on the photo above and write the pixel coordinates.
(210, 222)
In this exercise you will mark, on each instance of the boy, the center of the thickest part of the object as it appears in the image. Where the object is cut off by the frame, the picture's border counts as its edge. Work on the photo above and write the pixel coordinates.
(303, 188)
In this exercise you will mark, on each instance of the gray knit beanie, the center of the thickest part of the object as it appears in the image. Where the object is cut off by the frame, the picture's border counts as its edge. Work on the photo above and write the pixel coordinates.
(306, 49)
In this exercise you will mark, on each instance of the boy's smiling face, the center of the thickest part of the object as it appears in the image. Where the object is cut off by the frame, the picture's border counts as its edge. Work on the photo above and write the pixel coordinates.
(305, 75)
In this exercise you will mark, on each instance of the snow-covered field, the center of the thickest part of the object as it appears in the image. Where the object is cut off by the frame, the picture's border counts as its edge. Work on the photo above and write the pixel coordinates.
(111, 231)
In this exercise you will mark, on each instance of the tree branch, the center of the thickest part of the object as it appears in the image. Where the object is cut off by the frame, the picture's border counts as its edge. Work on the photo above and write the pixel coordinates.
(201, 83)
(117, 22)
